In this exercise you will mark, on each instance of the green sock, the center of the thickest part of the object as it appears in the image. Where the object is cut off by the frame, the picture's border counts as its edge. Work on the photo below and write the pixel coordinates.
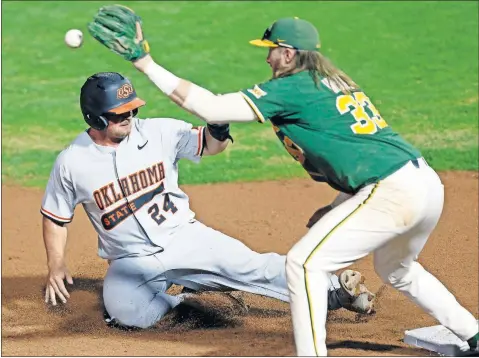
(473, 341)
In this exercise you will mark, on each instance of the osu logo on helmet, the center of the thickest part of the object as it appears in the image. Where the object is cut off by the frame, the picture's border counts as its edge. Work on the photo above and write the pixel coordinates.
(124, 91)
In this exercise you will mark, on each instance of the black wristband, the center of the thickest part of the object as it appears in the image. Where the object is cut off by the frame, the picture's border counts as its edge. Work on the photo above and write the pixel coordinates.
(220, 132)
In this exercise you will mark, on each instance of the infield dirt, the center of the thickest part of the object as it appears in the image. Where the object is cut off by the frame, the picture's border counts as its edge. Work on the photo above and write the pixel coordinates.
(267, 216)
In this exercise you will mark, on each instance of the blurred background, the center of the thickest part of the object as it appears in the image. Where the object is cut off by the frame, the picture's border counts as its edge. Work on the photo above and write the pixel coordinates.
(417, 61)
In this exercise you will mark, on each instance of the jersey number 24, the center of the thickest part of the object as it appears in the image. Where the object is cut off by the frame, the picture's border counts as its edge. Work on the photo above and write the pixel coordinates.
(154, 210)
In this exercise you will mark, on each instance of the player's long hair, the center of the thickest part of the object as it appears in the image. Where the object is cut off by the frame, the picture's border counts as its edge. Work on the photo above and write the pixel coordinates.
(319, 66)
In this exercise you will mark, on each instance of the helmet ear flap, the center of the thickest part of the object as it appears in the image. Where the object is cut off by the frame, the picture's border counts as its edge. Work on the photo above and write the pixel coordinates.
(104, 122)
(96, 122)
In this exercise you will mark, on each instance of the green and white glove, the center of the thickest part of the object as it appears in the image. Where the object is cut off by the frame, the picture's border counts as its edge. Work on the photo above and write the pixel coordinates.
(119, 29)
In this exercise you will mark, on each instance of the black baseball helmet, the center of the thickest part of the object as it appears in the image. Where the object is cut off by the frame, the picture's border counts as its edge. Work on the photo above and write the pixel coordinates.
(107, 93)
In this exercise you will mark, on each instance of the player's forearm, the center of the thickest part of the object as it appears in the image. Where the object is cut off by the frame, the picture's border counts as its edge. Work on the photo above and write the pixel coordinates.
(195, 99)
(213, 145)
(55, 239)
(171, 85)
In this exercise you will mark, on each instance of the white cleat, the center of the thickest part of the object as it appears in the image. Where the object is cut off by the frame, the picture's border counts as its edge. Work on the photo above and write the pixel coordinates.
(353, 294)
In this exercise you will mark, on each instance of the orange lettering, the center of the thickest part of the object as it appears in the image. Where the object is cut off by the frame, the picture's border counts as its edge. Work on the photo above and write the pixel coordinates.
(106, 198)
(115, 195)
(98, 200)
(153, 175)
(125, 186)
(161, 170)
(143, 179)
(134, 183)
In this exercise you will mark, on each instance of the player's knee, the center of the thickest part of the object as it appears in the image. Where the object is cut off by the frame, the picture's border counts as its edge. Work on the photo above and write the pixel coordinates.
(127, 310)
(297, 257)
(294, 265)
(292, 261)
(127, 315)
(397, 276)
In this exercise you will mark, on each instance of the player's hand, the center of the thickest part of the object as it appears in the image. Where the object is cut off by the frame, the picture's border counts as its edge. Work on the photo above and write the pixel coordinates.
(318, 215)
(119, 29)
(55, 285)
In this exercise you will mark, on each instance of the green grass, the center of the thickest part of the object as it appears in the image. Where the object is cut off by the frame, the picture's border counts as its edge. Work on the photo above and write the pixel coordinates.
(418, 61)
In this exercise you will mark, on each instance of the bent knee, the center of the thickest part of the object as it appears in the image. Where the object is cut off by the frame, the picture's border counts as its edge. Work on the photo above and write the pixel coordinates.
(127, 310)
(398, 275)
(298, 259)
(127, 316)
(293, 261)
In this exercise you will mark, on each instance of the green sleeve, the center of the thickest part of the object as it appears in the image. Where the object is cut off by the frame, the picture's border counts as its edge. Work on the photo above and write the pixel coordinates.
(267, 99)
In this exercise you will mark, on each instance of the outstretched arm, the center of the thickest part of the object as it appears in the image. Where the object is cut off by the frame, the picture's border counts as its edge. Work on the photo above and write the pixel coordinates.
(119, 29)
(227, 108)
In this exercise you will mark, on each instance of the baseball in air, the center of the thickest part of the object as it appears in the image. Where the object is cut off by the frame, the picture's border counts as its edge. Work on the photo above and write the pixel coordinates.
(74, 38)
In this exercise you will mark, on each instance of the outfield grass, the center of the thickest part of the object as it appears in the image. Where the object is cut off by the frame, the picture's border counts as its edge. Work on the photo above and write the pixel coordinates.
(417, 60)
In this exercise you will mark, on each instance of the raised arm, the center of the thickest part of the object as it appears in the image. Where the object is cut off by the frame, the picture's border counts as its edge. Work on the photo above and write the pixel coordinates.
(119, 29)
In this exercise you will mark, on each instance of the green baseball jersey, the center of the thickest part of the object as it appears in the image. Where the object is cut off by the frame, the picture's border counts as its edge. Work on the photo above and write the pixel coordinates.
(338, 138)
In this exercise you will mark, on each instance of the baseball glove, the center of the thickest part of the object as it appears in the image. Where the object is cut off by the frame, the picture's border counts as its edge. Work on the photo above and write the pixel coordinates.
(119, 29)
(318, 215)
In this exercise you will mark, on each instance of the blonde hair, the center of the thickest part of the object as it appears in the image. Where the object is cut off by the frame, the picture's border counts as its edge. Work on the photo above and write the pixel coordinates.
(319, 66)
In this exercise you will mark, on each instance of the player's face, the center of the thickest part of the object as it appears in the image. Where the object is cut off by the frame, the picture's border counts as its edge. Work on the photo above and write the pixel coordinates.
(280, 60)
(119, 126)
(274, 60)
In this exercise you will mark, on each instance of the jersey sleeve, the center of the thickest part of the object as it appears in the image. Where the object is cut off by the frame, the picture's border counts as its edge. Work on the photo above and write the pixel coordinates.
(267, 99)
(59, 199)
(189, 141)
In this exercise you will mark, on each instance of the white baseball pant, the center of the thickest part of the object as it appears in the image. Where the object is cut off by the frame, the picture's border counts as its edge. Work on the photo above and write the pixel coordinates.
(393, 219)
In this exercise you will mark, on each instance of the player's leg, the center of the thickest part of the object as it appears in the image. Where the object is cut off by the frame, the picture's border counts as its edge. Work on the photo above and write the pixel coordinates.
(134, 291)
(134, 288)
(211, 260)
(344, 235)
(373, 217)
(215, 261)
(396, 264)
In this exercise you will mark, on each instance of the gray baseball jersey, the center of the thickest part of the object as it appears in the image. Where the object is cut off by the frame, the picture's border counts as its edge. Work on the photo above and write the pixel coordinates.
(146, 228)
(130, 193)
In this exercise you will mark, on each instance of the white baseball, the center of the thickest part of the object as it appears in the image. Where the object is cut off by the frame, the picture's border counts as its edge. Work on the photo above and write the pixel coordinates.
(74, 38)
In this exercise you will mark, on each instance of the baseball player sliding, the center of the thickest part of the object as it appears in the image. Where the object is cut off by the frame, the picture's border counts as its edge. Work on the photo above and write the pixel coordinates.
(124, 172)
(390, 198)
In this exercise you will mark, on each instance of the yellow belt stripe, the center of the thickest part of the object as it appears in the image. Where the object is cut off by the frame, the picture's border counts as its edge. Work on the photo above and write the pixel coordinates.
(328, 235)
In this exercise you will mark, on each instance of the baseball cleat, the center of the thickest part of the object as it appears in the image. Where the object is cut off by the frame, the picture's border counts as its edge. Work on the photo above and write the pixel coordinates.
(350, 281)
(353, 293)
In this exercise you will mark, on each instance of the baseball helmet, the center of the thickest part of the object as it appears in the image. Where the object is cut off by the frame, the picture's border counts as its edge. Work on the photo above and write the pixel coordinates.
(107, 93)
